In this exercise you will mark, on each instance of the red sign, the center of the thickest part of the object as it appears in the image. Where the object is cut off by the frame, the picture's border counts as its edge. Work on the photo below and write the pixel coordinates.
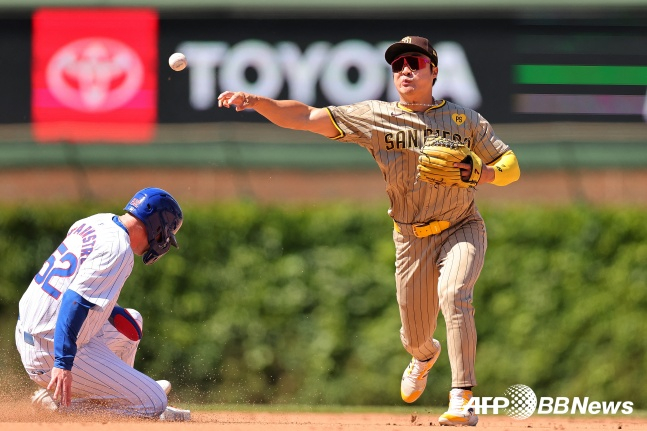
(94, 75)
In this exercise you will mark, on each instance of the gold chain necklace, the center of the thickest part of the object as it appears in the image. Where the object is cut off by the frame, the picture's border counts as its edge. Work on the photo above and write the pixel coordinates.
(435, 103)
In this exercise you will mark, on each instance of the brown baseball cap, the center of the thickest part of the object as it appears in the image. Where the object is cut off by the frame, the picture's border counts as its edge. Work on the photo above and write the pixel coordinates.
(411, 44)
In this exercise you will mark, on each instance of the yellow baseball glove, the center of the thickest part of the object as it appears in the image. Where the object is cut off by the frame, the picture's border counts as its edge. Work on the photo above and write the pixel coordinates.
(436, 163)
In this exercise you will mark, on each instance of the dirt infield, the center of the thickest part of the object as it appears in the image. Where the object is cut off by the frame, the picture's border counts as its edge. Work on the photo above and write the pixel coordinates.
(21, 418)
(17, 414)
(292, 186)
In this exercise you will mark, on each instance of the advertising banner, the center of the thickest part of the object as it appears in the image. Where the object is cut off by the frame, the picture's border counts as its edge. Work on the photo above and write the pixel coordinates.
(103, 74)
(94, 74)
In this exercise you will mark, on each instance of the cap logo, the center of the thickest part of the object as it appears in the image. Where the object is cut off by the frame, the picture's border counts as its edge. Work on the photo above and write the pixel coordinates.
(135, 202)
(406, 39)
(459, 119)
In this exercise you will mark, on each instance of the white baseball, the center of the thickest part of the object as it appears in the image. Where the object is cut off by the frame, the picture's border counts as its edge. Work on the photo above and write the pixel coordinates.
(177, 61)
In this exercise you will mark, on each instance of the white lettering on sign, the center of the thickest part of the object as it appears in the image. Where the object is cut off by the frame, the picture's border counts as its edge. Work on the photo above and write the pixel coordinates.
(455, 78)
(204, 58)
(217, 66)
(256, 55)
(302, 70)
(335, 84)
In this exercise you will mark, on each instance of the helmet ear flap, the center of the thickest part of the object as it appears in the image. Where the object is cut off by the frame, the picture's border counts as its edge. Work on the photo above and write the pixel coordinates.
(159, 243)
(173, 240)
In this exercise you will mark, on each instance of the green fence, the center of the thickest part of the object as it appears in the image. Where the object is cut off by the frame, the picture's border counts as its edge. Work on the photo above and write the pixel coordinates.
(222, 145)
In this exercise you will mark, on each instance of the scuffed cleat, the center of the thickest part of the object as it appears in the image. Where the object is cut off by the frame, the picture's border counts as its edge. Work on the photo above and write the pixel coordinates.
(166, 385)
(457, 415)
(414, 378)
(43, 400)
(172, 414)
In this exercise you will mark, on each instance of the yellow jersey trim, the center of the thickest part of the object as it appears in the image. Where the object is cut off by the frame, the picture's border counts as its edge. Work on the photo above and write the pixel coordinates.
(341, 132)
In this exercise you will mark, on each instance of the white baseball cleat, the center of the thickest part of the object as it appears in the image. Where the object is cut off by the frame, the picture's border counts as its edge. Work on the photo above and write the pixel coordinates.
(43, 400)
(166, 385)
(172, 414)
(414, 378)
(457, 415)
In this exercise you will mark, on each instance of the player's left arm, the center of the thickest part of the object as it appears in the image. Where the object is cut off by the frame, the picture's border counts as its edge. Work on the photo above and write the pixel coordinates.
(125, 323)
(503, 168)
(501, 172)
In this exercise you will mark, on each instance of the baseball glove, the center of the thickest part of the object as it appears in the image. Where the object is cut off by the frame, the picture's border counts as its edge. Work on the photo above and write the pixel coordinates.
(436, 163)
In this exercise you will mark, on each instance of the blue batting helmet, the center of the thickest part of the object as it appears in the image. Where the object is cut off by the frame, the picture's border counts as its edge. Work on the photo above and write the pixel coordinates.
(162, 216)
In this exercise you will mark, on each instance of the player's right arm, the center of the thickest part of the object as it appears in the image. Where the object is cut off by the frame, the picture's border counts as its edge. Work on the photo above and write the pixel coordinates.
(290, 114)
(61, 385)
(72, 313)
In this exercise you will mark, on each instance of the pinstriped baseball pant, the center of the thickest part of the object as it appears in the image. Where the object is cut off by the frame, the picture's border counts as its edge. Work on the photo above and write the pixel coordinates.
(438, 273)
(103, 372)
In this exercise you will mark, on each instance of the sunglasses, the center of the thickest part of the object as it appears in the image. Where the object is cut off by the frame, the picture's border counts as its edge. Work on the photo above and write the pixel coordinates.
(414, 63)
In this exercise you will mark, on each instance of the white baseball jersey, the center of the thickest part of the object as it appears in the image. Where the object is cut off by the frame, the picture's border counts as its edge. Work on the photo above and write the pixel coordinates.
(94, 260)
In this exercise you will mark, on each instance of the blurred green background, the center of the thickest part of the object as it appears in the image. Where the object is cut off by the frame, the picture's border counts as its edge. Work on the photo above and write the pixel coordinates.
(294, 304)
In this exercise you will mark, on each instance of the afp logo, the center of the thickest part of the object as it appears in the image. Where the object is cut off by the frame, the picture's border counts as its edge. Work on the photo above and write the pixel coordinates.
(519, 402)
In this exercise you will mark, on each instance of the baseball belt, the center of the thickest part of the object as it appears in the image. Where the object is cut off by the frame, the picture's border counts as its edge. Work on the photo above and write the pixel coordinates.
(29, 339)
(422, 230)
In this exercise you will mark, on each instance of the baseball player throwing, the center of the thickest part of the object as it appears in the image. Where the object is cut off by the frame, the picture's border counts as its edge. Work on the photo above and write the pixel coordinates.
(439, 235)
(74, 340)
